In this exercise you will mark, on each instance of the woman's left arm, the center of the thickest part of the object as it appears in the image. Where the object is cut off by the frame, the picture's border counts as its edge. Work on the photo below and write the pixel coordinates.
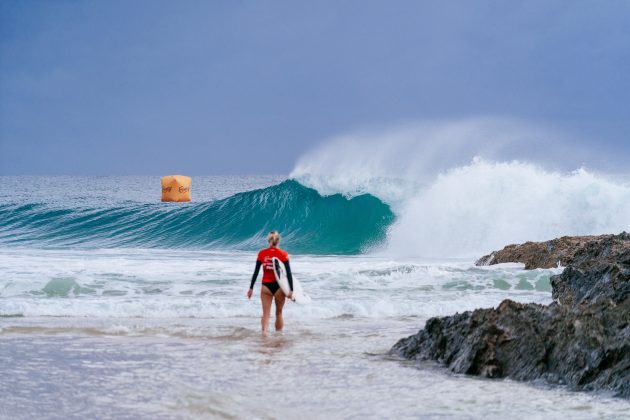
(251, 285)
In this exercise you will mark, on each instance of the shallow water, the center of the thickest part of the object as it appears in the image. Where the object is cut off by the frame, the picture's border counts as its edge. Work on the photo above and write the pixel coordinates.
(203, 284)
(190, 368)
(170, 334)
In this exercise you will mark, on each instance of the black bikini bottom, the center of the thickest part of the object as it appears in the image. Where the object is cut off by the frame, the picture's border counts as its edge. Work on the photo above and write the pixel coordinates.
(272, 286)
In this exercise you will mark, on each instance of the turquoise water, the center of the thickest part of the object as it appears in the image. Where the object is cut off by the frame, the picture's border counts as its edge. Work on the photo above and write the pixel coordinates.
(314, 224)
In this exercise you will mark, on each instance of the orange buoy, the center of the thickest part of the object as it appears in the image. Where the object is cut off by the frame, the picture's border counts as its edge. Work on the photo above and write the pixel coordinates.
(176, 188)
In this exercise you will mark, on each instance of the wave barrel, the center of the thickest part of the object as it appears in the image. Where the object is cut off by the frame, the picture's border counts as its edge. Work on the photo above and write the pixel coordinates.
(176, 188)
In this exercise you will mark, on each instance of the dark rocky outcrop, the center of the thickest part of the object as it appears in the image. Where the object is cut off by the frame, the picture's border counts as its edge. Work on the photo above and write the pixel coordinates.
(600, 269)
(585, 349)
(560, 251)
(582, 340)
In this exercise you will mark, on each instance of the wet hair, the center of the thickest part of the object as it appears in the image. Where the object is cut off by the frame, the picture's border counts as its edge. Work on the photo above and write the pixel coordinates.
(273, 238)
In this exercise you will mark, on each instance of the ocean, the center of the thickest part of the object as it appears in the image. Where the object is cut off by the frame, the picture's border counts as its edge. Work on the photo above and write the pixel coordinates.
(114, 305)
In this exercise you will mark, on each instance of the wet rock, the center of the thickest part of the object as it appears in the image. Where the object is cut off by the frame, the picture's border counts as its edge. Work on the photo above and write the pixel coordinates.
(585, 349)
(582, 340)
(561, 251)
(599, 270)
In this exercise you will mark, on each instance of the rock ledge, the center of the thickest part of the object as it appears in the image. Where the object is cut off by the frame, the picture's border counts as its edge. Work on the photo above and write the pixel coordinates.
(582, 340)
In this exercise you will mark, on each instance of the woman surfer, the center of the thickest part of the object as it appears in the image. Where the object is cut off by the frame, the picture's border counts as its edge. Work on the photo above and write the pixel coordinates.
(270, 289)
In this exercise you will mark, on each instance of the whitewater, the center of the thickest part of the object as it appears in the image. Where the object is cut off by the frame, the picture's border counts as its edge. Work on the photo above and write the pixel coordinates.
(113, 305)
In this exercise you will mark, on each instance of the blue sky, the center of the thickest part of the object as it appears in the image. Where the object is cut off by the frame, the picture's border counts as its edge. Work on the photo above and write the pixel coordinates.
(234, 87)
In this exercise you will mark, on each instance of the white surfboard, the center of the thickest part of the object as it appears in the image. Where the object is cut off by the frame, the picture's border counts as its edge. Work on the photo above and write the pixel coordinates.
(281, 277)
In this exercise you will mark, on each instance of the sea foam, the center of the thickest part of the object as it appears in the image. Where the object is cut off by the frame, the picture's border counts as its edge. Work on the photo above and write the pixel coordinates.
(464, 188)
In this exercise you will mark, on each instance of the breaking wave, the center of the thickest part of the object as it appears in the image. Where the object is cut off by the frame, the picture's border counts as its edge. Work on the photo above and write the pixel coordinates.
(313, 223)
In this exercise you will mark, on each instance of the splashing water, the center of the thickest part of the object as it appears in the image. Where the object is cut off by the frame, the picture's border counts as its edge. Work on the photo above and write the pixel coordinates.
(457, 190)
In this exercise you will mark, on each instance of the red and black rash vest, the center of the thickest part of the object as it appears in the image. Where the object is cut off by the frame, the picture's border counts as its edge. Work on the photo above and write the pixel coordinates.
(265, 259)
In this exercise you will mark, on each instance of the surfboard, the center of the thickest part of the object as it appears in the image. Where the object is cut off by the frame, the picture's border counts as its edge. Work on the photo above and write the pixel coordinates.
(281, 277)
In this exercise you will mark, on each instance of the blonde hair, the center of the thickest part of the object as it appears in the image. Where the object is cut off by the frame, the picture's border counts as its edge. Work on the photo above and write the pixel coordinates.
(273, 238)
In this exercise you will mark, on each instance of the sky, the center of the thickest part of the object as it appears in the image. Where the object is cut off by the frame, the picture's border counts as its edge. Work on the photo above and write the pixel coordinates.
(150, 87)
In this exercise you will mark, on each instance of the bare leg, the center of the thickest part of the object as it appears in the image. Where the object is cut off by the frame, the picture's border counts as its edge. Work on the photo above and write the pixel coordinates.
(279, 298)
(266, 297)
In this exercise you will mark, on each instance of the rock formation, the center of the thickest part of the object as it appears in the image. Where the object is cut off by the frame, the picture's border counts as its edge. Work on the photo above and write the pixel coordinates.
(560, 251)
(582, 340)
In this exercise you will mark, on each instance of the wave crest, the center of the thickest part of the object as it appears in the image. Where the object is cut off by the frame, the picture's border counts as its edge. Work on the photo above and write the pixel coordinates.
(463, 188)
(310, 222)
